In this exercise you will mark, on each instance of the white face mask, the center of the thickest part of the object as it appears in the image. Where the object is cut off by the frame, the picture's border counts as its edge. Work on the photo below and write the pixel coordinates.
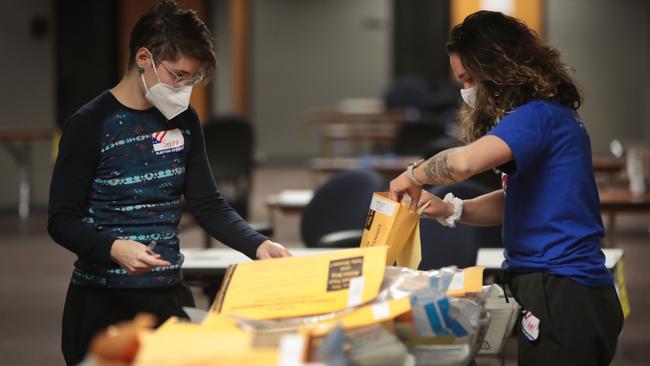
(469, 96)
(168, 100)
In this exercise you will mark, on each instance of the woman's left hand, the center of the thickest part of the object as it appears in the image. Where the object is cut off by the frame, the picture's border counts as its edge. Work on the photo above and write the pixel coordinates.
(437, 208)
(270, 249)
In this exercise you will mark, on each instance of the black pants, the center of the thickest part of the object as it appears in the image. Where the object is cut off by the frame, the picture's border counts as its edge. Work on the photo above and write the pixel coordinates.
(579, 325)
(89, 310)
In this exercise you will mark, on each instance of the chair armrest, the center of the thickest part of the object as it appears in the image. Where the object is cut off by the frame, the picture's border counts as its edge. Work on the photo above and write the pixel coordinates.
(341, 239)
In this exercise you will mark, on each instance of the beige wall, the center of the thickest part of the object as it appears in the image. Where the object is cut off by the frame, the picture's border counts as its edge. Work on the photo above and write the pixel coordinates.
(608, 44)
(311, 53)
(303, 54)
(27, 94)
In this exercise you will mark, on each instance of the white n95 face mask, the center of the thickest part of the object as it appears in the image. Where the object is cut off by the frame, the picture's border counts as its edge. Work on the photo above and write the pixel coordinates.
(469, 96)
(168, 100)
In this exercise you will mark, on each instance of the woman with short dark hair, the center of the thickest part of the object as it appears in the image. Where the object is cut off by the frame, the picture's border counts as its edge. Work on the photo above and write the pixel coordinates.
(125, 159)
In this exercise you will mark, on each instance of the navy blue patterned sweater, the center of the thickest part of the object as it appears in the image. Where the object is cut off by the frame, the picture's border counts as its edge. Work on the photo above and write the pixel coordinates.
(120, 174)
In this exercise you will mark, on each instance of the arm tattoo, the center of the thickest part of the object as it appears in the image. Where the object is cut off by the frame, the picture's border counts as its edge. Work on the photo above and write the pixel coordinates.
(438, 171)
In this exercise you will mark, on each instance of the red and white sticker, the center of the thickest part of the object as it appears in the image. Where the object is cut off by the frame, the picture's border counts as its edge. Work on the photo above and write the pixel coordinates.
(167, 141)
(530, 326)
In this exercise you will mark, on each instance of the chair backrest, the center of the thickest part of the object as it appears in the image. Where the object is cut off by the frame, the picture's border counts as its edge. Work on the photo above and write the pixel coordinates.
(488, 237)
(340, 204)
(407, 92)
(229, 142)
(413, 138)
(438, 144)
(443, 246)
(464, 190)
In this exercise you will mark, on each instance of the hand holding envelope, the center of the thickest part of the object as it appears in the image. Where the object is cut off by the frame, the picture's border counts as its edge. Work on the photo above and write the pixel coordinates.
(394, 224)
(435, 207)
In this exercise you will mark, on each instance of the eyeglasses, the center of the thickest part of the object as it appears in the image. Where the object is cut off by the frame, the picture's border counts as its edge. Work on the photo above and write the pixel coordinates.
(181, 81)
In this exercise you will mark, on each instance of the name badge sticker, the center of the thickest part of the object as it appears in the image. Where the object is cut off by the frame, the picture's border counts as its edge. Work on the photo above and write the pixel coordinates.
(530, 326)
(167, 141)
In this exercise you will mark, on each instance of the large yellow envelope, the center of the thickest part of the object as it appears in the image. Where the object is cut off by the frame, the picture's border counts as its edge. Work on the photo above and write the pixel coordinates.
(373, 313)
(469, 280)
(181, 343)
(395, 225)
(299, 286)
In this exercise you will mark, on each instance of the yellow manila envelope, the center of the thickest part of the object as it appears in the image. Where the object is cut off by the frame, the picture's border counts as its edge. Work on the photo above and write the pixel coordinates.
(622, 289)
(218, 340)
(183, 343)
(469, 280)
(368, 314)
(395, 225)
(299, 286)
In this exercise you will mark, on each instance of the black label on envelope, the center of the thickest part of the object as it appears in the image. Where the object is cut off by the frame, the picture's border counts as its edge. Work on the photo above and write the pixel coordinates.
(341, 271)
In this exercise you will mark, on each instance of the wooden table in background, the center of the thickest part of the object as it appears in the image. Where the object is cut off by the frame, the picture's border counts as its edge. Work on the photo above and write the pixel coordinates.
(616, 200)
(357, 128)
(607, 164)
(18, 142)
(287, 202)
(388, 166)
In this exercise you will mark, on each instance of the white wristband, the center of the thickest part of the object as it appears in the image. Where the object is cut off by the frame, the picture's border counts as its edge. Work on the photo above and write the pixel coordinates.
(411, 176)
(450, 221)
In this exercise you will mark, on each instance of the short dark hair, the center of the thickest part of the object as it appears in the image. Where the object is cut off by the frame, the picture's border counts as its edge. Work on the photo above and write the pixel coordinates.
(169, 32)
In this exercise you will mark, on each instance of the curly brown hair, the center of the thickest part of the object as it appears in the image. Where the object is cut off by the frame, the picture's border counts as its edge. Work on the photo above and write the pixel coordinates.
(512, 66)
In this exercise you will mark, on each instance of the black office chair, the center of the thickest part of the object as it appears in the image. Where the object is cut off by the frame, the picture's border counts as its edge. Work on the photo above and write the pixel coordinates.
(489, 236)
(407, 92)
(229, 142)
(414, 138)
(439, 143)
(337, 212)
(443, 246)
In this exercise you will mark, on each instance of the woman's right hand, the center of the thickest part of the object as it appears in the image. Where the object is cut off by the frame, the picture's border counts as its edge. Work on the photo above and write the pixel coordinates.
(437, 208)
(134, 258)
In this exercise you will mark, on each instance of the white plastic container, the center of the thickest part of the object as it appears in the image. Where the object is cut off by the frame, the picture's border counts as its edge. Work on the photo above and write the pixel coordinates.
(503, 316)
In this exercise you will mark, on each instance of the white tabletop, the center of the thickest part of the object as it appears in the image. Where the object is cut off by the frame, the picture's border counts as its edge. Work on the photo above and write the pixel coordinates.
(220, 259)
(291, 198)
(217, 258)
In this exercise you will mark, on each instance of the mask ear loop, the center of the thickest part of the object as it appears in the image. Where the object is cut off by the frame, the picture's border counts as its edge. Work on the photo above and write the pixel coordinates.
(141, 71)
(153, 65)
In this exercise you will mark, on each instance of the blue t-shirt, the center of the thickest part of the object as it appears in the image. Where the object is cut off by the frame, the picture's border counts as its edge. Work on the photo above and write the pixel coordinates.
(552, 219)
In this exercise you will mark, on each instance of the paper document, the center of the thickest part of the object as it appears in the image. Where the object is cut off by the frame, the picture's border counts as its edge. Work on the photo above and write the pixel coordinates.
(299, 286)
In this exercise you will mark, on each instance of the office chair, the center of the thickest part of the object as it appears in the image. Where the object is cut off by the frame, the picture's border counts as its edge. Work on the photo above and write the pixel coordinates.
(438, 144)
(488, 236)
(337, 212)
(229, 142)
(414, 138)
(443, 246)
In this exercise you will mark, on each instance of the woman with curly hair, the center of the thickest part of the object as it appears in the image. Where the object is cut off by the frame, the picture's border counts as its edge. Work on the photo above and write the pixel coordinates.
(520, 117)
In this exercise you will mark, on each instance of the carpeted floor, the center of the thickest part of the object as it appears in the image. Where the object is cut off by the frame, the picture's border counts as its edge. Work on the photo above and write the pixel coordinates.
(34, 274)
